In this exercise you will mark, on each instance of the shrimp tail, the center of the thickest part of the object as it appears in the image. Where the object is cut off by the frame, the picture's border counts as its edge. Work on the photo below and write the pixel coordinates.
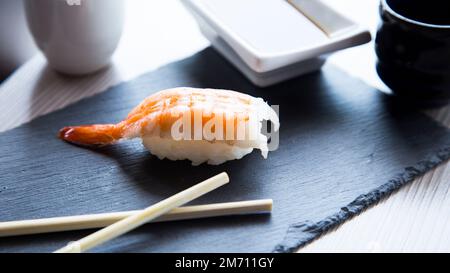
(91, 135)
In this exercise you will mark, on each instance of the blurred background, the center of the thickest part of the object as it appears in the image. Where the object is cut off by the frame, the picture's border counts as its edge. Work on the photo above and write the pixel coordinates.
(16, 44)
(148, 29)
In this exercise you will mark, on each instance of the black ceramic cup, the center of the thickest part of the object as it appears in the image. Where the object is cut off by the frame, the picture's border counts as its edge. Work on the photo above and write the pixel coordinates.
(413, 49)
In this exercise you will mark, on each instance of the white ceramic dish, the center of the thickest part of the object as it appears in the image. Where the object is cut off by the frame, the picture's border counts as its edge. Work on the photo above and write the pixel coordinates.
(265, 78)
(271, 40)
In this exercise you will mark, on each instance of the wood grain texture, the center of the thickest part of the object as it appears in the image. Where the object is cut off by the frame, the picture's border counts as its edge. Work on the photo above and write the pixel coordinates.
(339, 139)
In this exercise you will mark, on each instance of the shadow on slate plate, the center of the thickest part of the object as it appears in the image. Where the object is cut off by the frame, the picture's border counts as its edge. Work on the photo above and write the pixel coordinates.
(343, 146)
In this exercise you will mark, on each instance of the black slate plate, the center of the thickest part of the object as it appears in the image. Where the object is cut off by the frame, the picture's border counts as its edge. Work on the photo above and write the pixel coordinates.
(343, 146)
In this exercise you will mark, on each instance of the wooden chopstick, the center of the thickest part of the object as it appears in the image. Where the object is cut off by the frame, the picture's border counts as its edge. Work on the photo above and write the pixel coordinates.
(143, 216)
(78, 222)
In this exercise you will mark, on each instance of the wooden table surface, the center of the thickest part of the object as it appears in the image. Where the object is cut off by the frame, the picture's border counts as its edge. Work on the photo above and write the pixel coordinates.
(416, 218)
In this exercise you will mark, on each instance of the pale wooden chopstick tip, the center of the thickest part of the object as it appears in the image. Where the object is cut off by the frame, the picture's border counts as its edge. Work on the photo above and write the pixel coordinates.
(150, 213)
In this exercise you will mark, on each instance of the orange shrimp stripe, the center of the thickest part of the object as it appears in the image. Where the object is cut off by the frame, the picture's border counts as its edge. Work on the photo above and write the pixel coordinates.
(164, 109)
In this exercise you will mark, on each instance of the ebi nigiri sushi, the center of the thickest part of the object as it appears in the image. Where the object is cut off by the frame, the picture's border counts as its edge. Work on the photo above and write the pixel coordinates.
(201, 125)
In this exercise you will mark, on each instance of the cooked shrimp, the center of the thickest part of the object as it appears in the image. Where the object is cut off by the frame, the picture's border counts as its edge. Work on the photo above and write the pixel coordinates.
(187, 123)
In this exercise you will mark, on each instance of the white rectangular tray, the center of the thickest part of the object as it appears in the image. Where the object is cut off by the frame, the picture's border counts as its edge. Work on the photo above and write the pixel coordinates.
(270, 40)
(262, 79)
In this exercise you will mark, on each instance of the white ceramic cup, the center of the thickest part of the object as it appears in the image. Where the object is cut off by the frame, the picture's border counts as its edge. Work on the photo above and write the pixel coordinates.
(76, 36)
